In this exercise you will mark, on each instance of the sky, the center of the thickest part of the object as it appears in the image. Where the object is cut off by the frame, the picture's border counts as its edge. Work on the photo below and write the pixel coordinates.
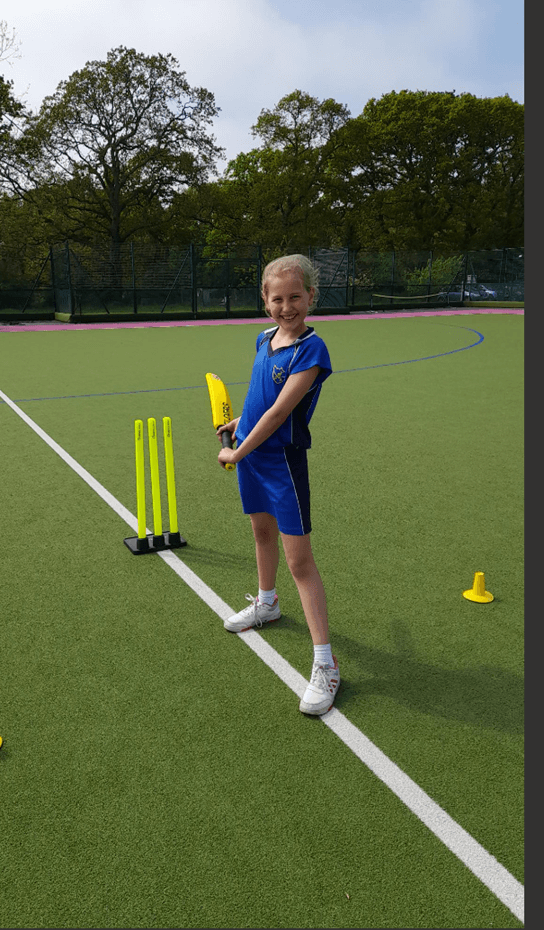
(251, 53)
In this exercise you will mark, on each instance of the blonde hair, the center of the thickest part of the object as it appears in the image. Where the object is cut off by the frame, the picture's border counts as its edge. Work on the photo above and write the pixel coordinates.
(310, 274)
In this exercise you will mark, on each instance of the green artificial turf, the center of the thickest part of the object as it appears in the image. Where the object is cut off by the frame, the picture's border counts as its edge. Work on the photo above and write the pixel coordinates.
(154, 771)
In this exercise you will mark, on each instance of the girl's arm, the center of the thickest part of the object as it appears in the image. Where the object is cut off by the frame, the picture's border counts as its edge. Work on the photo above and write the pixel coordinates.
(293, 391)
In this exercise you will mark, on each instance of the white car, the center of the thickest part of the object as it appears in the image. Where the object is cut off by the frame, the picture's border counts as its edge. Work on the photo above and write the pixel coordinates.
(473, 292)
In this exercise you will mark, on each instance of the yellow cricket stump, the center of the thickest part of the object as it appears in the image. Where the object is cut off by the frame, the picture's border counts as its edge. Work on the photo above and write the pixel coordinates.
(156, 541)
(170, 474)
(155, 481)
(140, 478)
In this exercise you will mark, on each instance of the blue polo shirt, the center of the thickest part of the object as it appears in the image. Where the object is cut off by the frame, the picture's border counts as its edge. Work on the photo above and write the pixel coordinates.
(271, 369)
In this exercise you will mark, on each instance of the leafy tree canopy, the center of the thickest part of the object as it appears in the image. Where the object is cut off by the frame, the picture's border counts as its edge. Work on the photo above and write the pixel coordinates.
(416, 170)
(10, 109)
(299, 122)
(427, 170)
(117, 138)
(271, 194)
(123, 150)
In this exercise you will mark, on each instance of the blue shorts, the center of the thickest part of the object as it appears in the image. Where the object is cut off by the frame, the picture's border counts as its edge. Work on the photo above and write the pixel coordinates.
(277, 483)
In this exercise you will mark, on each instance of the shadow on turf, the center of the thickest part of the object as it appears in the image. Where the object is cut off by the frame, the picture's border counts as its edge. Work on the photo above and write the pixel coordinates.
(480, 695)
(198, 554)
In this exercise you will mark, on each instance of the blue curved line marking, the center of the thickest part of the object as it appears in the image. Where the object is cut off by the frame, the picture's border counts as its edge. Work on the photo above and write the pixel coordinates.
(423, 358)
(187, 387)
(193, 387)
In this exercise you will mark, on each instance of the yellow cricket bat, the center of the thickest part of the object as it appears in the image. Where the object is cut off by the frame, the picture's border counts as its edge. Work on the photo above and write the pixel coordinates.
(221, 410)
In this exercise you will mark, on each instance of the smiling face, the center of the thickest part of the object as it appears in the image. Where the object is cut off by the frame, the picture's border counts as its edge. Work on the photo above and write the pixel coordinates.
(288, 302)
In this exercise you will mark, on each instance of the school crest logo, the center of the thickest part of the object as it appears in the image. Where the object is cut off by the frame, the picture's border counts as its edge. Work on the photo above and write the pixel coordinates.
(278, 375)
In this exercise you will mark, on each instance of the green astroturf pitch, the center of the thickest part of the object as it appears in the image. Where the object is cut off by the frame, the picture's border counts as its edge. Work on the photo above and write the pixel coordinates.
(156, 772)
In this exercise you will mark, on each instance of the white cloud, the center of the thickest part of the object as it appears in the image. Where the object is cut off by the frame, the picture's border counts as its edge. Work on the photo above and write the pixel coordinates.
(250, 53)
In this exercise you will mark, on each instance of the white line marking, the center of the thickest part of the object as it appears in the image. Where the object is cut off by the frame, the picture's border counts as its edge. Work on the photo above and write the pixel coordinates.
(480, 862)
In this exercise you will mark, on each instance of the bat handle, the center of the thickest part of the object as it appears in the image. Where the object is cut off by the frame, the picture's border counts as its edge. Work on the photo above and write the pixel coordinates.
(226, 443)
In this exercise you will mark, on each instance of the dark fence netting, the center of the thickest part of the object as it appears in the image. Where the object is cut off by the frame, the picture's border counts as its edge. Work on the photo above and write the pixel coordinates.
(199, 280)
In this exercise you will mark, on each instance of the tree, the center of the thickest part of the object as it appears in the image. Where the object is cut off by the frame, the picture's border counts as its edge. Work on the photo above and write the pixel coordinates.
(299, 123)
(106, 153)
(9, 46)
(487, 188)
(422, 170)
(273, 194)
(298, 138)
(10, 107)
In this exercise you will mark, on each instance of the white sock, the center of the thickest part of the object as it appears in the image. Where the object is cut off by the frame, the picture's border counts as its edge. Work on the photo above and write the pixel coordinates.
(267, 597)
(323, 655)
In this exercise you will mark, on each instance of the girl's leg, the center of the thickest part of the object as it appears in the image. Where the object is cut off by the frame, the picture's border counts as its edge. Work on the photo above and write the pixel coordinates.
(265, 531)
(300, 559)
(319, 696)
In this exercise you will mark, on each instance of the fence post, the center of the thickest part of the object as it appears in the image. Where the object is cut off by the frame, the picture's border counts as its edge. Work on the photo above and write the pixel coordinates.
(430, 273)
(134, 298)
(259, 273)
(194, 303)
(464, 281)
(227, 289)
(53, 279)
(392, 278)
(69, 271)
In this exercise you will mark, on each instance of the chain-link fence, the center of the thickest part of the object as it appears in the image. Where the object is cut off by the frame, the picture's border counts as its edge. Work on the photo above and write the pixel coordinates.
(138, 279)
(375, 280)
(25, 282)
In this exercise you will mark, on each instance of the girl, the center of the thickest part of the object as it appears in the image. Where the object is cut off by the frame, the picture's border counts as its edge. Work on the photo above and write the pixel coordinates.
(272, 436)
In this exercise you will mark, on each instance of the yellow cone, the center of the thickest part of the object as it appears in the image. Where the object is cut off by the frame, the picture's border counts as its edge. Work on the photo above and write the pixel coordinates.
(477, 592)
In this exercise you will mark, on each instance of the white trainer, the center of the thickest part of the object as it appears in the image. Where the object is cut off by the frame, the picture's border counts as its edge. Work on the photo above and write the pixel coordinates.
(321, 692)
(255, 615)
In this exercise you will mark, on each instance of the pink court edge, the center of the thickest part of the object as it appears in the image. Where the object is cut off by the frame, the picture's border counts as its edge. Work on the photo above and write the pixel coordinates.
(21, 326)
